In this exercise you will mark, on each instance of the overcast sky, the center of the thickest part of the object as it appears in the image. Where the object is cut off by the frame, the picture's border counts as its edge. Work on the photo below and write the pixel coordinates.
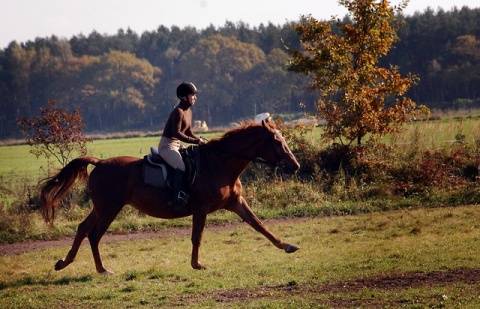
(24, 20)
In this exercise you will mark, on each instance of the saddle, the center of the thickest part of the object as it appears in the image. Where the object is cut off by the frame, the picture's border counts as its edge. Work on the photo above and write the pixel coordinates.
(159, 174)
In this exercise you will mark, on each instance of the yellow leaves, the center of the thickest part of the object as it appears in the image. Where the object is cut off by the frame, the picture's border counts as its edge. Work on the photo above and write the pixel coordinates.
(368, 98)
(134, 97)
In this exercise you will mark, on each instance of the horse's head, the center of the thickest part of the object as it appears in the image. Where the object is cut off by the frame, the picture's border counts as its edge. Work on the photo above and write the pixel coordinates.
(259, 143)
(276, 151)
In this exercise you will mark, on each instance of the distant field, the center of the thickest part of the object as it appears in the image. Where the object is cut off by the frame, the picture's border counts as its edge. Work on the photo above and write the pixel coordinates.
(440, 133)
(17, 163)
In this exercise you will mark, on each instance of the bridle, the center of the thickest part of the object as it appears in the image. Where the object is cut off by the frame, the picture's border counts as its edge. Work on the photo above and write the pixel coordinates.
(256, 158)
(269, 144)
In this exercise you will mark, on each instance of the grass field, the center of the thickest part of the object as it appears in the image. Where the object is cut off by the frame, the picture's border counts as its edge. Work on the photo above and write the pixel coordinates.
(389, 254)
(17, 163)
(20, 171)
(407, 259)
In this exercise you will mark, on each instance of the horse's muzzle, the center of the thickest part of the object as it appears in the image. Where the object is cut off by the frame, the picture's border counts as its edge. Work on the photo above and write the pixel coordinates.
(291, 167)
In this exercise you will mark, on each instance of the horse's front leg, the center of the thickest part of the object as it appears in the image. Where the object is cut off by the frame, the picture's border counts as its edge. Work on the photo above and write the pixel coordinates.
(198, 225)
(241, 208)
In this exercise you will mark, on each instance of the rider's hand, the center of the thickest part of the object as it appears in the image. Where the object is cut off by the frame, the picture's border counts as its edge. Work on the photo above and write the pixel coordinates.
(201, 141)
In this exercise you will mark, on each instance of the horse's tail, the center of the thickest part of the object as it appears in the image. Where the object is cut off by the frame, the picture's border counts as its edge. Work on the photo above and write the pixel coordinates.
(53, 189)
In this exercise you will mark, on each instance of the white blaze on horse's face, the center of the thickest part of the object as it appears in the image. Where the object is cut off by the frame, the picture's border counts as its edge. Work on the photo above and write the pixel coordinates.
(284, 154)
(278, 135)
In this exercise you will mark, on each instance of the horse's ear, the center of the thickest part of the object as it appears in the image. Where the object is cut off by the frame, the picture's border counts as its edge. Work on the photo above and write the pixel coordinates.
(267, 121)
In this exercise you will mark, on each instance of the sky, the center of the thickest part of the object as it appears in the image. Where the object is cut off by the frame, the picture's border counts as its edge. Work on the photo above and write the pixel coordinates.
(26, 20)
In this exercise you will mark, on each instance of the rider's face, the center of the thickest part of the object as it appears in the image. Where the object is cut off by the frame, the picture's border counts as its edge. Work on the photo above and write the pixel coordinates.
(191, 98)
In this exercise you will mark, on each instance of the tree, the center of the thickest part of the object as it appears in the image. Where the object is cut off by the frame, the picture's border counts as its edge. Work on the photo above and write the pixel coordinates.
(215, 64)
(120, 86)
(266, 87)
(464, 74)
(20, 62)
(56, 133)
(357, 97)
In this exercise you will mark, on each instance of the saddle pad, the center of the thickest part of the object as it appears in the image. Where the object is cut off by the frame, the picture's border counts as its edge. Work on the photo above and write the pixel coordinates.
(155, 176)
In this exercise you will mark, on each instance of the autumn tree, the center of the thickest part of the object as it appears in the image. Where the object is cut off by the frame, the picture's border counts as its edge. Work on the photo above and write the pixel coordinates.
(358, 98)
(56, 133)
(120, 86)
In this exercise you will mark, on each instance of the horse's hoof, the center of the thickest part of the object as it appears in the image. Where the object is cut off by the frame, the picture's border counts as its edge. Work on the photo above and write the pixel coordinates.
(59, 265)
(198, 266)
(291, 248)
(107, 273)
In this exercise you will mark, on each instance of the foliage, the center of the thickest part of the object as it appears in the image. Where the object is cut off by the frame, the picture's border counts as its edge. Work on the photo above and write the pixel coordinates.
(357, 97)
(119, 87)
(109, 76)
(225, 60)
(443, 64)
(56, 133)
(441, 170)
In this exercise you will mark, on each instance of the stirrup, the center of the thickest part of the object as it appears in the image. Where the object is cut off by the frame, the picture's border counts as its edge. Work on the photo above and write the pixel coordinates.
(182, 198)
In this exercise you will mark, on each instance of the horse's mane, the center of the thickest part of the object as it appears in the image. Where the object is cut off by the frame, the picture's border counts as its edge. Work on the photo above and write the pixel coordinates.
(243, 127)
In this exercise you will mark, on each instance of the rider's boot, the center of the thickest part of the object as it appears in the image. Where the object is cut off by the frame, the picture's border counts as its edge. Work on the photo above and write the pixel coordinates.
(180, 197)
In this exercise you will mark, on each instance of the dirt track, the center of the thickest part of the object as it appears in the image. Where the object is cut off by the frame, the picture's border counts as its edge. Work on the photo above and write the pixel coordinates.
(24, 247)
(385, 283)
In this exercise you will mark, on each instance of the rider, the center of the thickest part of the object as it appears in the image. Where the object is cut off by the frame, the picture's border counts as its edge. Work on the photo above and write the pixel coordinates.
(178, 128)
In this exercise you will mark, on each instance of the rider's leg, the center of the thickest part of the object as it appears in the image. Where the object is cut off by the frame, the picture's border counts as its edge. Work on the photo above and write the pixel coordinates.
(181, 197)
(171, 154)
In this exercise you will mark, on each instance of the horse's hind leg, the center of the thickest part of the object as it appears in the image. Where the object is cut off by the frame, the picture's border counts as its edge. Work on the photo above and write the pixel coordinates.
(241, 208)
(83, 230)
(103, 222)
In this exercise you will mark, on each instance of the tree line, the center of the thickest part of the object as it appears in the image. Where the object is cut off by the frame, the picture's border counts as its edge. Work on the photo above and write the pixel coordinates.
(127, 81)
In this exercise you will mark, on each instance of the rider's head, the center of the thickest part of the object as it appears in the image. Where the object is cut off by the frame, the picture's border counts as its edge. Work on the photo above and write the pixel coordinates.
(184, 89)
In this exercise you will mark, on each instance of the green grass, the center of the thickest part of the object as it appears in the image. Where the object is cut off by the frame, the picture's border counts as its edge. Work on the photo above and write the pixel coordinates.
(245, 270)
(437, 134)
(135, 146)
(343, 241)
(18, 163)
(20, 171)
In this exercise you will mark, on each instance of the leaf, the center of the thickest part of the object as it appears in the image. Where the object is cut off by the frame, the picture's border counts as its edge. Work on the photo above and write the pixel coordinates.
(358, 97)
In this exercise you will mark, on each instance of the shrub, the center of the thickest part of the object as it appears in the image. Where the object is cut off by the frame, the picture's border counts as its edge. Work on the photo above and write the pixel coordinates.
(56, 133)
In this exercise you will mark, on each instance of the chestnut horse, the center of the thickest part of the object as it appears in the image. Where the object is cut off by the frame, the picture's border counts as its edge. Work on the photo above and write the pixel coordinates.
(118, 181)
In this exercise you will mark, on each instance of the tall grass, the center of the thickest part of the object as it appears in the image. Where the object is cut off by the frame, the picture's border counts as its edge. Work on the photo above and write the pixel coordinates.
(441, 134)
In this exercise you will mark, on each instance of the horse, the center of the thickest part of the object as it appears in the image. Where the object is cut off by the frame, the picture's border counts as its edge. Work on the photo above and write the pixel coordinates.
(118, 181)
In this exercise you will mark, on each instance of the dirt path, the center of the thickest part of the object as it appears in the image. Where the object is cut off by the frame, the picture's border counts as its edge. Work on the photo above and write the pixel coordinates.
(390, 282)
(25, 247)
